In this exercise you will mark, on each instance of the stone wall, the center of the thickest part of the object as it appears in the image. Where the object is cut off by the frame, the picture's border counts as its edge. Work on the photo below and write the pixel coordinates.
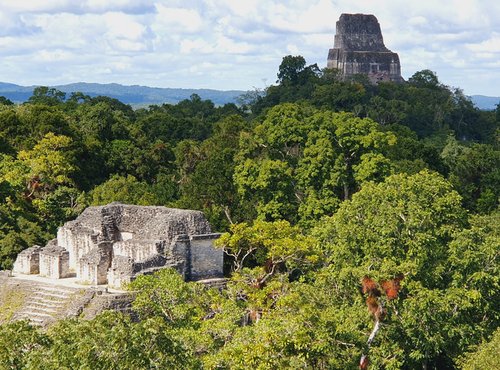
(138, 250)
(28, 261)
(77, 240)
(205, 260)
(194, 257)
(93, 267)
(54, 262)
(121, 271)
(102, 301)
(179, 255)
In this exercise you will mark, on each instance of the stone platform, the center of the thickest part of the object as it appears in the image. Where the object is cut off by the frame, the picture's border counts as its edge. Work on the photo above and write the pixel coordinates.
(43, 301)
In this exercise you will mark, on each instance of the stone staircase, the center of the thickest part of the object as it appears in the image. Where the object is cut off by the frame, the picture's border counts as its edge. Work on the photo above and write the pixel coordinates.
(47, 303)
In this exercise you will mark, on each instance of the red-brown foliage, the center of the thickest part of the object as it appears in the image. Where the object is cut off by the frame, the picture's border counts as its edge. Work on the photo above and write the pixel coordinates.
(392, 287)
(369, 286)
(258, 283)
(372, 303)
(254, 315)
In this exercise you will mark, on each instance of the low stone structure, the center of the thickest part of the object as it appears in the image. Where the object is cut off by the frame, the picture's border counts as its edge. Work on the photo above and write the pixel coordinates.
(93, 266)
(54, 261)
(359, 49)
(28, 261)
(114, 244)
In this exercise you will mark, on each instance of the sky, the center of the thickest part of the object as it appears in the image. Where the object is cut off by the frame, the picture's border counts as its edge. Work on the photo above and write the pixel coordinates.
(236, 44)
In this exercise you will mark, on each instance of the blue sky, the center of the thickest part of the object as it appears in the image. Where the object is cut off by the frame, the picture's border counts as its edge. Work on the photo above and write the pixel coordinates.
(235, 44)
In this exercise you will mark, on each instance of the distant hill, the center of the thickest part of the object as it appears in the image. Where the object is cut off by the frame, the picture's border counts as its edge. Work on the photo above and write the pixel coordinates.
(134, 95)
(485, 102)
(140, 96)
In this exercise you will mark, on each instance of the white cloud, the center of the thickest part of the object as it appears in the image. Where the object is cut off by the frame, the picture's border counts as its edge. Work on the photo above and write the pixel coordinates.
(228, 46)
(491, 45)
(417, 21)
(177, 20)
(198, 45)
(56, 55)
(235, 44)
(221, 45)
(104, 6)
(292, 49)
(315, 18)
(16, 6)
(123, 26)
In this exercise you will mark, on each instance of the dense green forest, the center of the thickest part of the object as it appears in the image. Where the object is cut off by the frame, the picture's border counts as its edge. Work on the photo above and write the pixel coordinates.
(361, 223)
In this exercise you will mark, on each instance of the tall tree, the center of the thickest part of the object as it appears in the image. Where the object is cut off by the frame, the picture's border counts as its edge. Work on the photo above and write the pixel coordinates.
(413, 228)
(207, 175)
(47, 95)
(300, 162)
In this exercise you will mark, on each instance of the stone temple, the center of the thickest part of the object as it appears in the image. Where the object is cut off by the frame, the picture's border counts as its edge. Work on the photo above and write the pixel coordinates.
(113, 244)
(359, 49)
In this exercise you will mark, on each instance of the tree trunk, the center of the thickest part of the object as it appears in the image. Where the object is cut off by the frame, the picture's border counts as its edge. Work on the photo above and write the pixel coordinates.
(346, 191)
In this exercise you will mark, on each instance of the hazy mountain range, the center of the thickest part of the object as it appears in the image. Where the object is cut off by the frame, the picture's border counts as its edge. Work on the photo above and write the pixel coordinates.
(134, 95)
(485, 102)
(137, 96)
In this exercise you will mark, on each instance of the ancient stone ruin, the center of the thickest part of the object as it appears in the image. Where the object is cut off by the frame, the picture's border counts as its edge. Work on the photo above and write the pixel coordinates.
(113, 244)
(359, 49)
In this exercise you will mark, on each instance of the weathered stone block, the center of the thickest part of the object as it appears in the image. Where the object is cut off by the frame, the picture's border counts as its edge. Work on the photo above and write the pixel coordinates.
(180, 255)
(205, 260)
(121, 271)
(93, 267)
(54, 262)
(78, 240)
(138, 250)
(28, 261)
